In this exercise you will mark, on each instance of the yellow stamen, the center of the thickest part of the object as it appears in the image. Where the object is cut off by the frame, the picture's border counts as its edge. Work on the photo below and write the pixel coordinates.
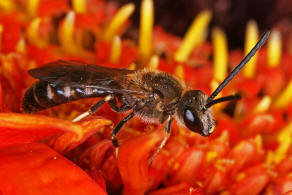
(179, 72)
(284, 140)
(21, 46)
(153, 62)
(251, 39)
(220, 54)
(116, 50)
(1, 32)
(145, 34)
(193, 37)
(274, 49)
(33, 33)
(7, 6)
(32, 7)
(285, 98)
(67, 33)
(116, 23)
(79, 6)
(263, 105)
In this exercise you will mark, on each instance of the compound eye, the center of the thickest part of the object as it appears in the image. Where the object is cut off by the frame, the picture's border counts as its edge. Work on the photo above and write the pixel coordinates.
(193, 122)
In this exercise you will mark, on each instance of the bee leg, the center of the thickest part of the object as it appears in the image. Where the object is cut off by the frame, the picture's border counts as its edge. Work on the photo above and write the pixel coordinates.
(163, 142)
(113, 104)
(93, 108)
(118, 128)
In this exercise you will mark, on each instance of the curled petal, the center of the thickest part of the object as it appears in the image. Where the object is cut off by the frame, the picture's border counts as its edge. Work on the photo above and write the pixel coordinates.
(36, 169)
(67, 141)
(133, 162)
(25, 128)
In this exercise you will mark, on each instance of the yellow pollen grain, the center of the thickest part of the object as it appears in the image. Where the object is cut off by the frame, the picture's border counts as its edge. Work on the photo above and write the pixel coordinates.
(132, 66)
(153, 62)
(79, 6)
(220, 54)
(251, 38)
(116, 50)
(1, 32)
(32, 7)
(211, 155)
(6, 6)
(21, 46)
(284, 140)
(263, 105)
(67, 33)
(33, 33)
(194, 36)
(117, 22)
(145, 33)
(179, 71)
(274, 49)
(285, 98)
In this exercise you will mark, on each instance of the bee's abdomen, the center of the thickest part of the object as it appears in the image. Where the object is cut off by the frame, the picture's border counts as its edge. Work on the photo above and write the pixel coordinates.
(42, 95)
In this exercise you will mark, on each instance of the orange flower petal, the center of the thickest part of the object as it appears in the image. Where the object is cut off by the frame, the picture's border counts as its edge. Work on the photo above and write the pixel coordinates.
(68, 140)
(188, 166)
(133, 162)
(25, 128)
(180, 189)
(37, 169)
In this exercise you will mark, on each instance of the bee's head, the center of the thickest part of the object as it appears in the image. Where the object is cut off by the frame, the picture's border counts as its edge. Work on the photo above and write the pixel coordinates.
(193, 114)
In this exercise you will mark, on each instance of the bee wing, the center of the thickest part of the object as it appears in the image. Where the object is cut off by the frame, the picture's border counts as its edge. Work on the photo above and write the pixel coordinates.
(77, 74)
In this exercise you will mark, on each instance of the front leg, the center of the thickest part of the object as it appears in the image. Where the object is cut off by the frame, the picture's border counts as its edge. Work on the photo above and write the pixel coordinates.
(118, 128)
(163, 142)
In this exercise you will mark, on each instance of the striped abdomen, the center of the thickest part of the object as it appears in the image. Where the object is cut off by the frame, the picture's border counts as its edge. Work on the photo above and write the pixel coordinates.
(42, 95)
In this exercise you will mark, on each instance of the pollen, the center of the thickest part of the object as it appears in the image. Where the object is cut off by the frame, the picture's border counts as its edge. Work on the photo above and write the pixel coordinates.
(118, 21)
(194, 36)
(251, 38)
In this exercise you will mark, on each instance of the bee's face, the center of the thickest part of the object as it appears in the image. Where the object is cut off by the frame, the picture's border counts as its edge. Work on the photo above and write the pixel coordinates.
(192, 114)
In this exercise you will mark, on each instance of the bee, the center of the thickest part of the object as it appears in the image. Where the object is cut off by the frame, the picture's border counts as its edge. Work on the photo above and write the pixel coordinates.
(154, 96)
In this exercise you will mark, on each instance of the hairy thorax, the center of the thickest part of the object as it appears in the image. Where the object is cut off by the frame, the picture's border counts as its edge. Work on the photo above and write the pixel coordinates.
(162, 93)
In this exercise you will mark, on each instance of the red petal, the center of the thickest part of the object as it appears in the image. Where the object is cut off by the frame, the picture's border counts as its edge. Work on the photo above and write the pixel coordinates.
(188, 166)
(256, 179)
(37, 169)
(25, 128)
(68, 140)
(133, 162)
(180, 189)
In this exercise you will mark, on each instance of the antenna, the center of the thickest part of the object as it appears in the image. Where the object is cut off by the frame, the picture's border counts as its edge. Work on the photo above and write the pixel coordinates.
(238, 67)
(222, 99)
